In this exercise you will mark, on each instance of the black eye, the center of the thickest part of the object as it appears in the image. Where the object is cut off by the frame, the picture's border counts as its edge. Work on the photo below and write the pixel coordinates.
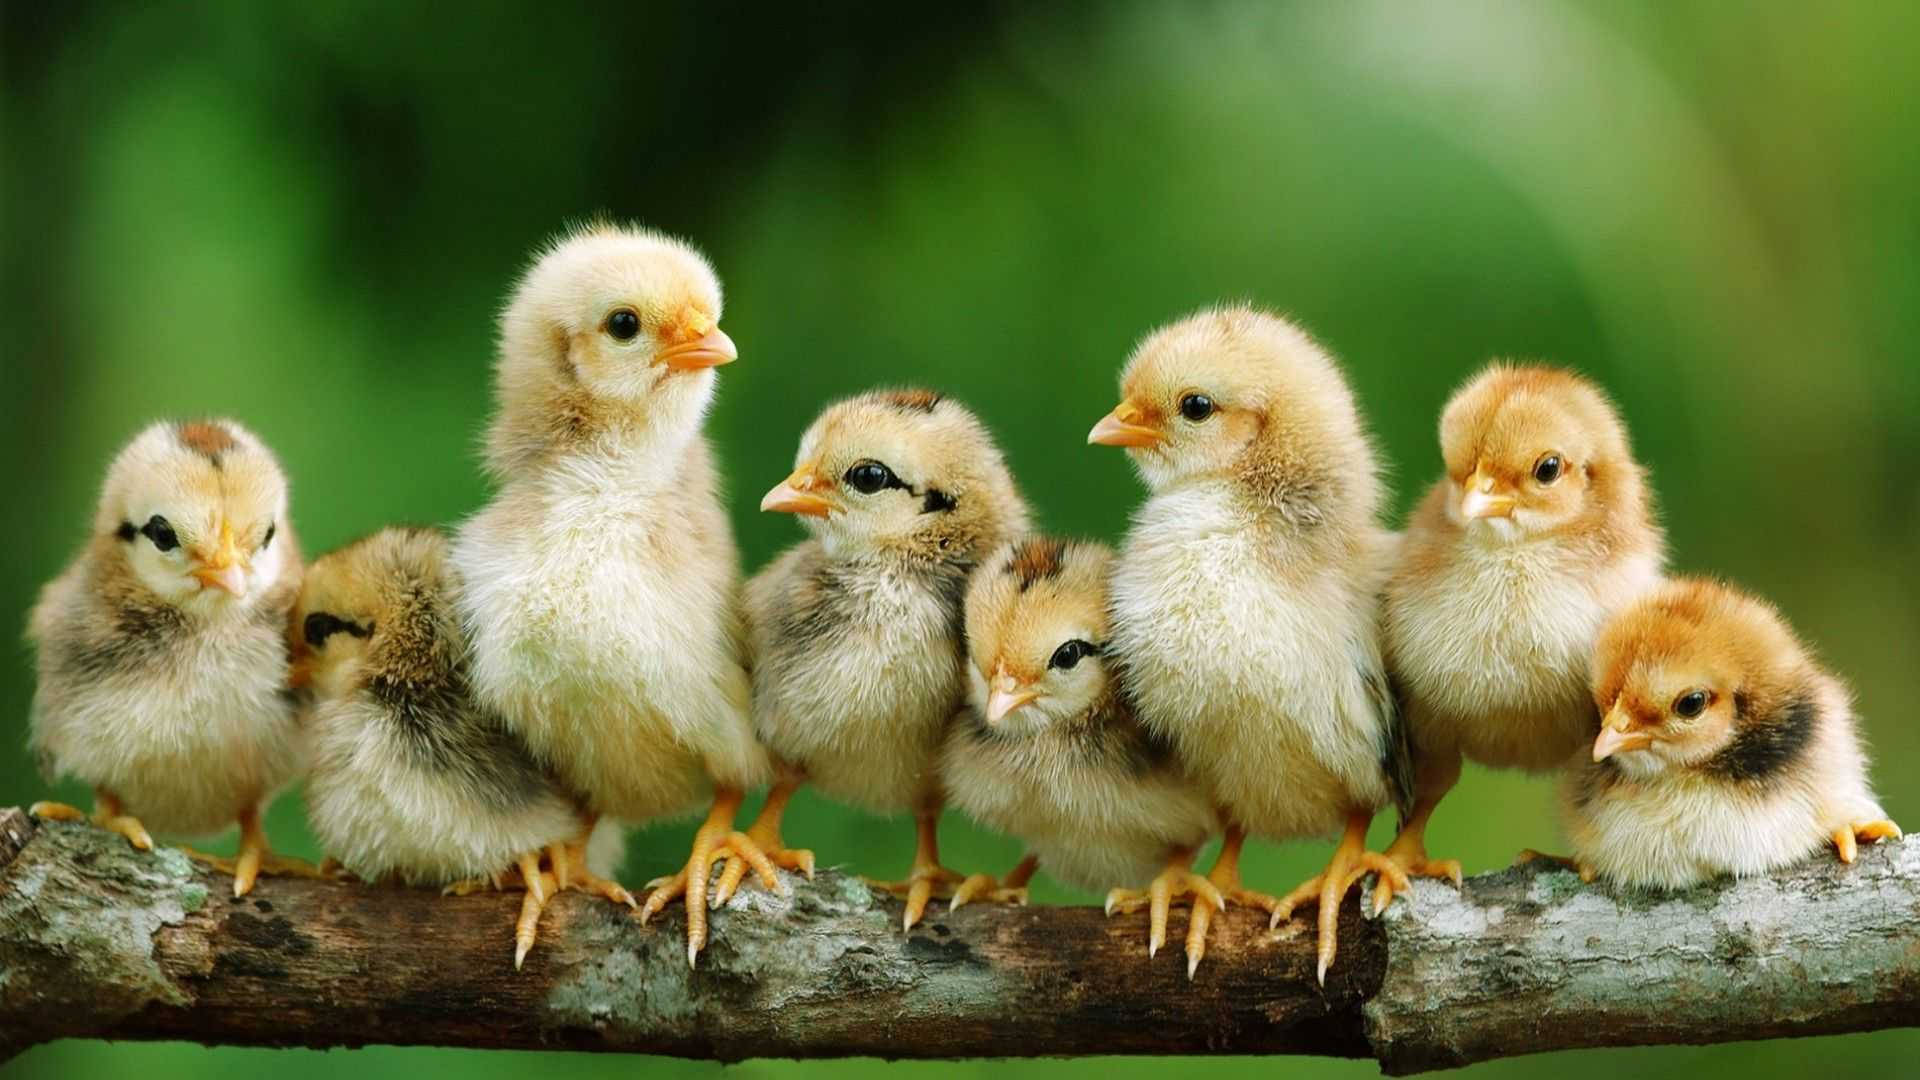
(623, 325)
(157, 530)
(272, 527)
(1548, 469)
(1691, 704)
(1196, 407)
(320, 626)
(869, 477)
(1069, 655)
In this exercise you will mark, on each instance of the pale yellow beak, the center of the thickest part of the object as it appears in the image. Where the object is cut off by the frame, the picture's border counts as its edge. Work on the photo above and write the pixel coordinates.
(1125, 426)
(1617, 736)
(795, 494)
(1482, 500)
(1005, 695)
(711, 350)
(226, 569)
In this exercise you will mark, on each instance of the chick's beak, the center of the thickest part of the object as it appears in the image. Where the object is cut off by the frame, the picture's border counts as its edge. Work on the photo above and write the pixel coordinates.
(796, 494)
(1483, 500)
(1125, 426)
(225, 569)
(709, 350)
(1617, 736)
(1006, 694)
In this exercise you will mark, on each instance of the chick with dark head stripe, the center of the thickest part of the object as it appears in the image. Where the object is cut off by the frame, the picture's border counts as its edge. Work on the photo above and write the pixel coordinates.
(1725, 748)
(414, 780)
(161, 648)
(856, 632)
(1051, 751)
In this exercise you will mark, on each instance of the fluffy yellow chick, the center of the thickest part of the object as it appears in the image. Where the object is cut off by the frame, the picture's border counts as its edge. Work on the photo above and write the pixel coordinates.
(1538, 532)
(1726, 749)
(1244, 599)
(601, 590)
(1051, 751)
(412, 780)
(162, 647)
(856, 632)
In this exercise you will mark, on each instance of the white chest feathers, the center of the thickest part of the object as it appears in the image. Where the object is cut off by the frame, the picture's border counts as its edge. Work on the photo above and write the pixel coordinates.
(603, 627)
(1492, 651)
(1263, 670)
(186, 743)
(857, 690)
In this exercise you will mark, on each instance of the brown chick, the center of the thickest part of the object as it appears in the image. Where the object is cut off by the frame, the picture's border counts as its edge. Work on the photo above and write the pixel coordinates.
(162, 649)
(412, 779)
(856, 633)
(1051, 751)
(1539, 531)
(1726, 748)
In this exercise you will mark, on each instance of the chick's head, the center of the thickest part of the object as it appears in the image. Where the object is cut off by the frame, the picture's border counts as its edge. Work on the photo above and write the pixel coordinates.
(200, 511)
(611, 326)
(905, 471)
(1691, 669)
(1532, 450)
(1237, 393)
(1036, 633)
(375, 609)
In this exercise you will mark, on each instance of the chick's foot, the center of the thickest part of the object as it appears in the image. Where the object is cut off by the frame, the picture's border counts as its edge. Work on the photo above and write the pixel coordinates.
(987, 888)
(1846, 839)
(1409, 852)
(1565, 862)
(1178, 881)
(715, 837)
(928, 880)
(1351, 861)
(1225, 878)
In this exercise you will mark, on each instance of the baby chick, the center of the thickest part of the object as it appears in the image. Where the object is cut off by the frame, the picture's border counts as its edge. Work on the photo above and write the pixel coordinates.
(856, 632)
(1245, 611)
(601, 591)
(162, 647)
(1726, 749)
(1539, 531)
(412, 780)
(1051, 752)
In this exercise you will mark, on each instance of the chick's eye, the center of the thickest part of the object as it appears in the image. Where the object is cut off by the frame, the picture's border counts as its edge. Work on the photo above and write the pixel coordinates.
(1069, 655)
(272, 527)
(623, 325)
(320, 626)
(1691, 704)
(869, 477)
(161, 533)
(1196, 407)
(1548, 469)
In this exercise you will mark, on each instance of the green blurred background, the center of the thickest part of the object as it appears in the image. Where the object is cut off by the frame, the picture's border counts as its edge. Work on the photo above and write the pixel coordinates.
(305, 217)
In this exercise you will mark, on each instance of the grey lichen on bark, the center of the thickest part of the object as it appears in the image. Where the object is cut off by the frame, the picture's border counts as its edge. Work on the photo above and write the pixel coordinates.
(1534, 957)
(88, 958)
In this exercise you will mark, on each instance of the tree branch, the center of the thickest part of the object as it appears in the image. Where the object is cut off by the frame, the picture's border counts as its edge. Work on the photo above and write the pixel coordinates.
(100, 941)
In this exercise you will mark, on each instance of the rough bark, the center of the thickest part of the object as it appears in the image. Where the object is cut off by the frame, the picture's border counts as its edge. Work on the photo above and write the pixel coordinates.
(97, 940)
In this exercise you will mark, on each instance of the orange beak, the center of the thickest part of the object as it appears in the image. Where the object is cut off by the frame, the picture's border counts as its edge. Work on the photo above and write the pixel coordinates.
(1482, 500)
(225, 569)
(711, 350)
(1005, 695)
(795, 494)
(1617, 736)
(1125, 426)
